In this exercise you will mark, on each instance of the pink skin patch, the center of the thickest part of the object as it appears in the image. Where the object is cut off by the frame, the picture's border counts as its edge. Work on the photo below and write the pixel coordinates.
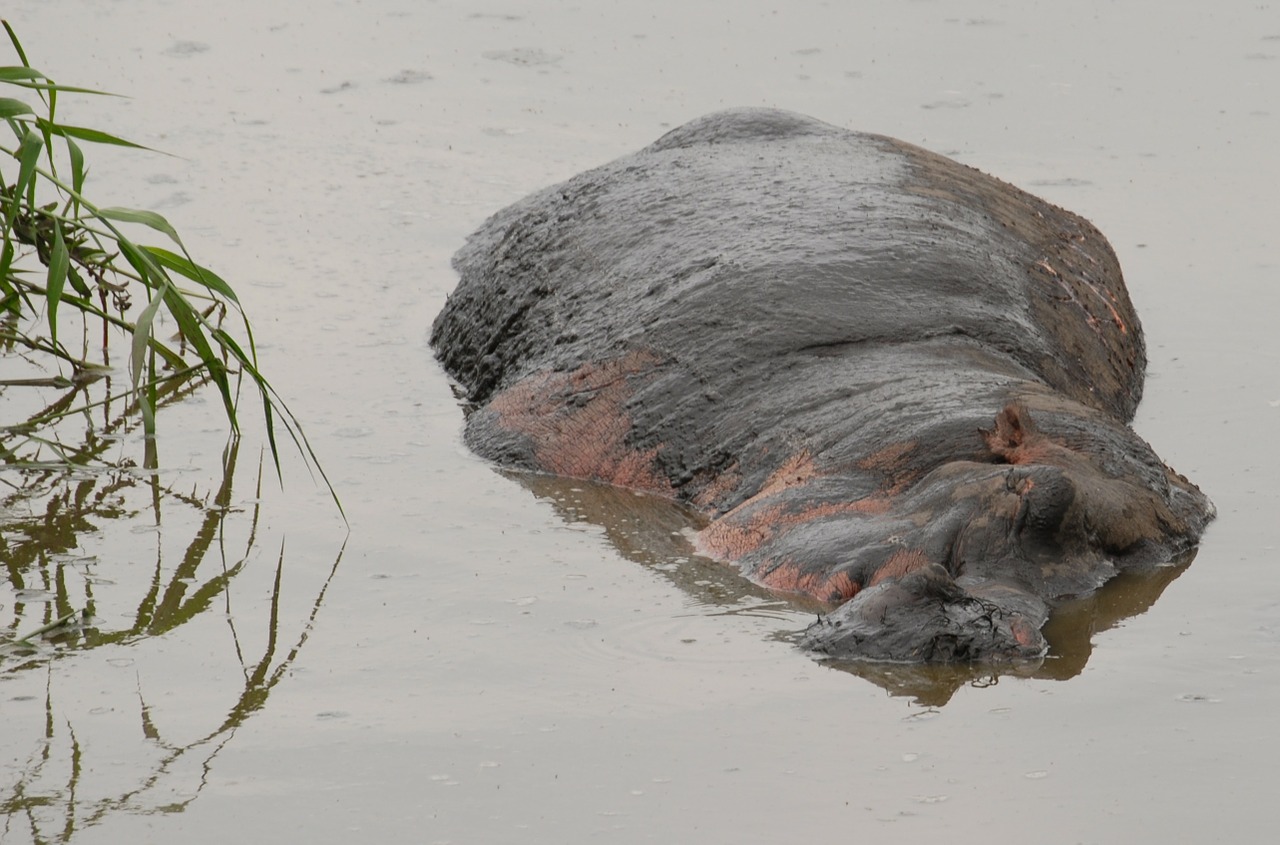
(578, 423)
(764, 517)
(789, 578)
(898, 565)
(891, 464)
(753, 523)
(839, 587)
(797, 470)
(717, 489)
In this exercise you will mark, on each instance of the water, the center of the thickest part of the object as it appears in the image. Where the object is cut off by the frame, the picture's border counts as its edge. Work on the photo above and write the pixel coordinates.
(486, 658)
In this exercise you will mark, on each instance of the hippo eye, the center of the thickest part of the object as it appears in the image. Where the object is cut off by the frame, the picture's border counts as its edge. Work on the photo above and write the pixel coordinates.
(1046, 496)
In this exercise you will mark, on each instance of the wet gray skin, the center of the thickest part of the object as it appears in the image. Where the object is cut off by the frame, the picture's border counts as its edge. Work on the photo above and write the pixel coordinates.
(890, 382)
(1001, 545)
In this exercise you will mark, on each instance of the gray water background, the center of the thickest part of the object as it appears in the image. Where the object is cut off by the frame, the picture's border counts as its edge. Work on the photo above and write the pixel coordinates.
(475, 663)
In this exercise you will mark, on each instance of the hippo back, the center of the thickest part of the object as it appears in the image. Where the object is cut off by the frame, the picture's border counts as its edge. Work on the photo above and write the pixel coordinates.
(759, 235)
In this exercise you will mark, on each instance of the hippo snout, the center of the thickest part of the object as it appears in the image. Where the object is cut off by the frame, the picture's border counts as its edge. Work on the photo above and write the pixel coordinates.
(927, 617)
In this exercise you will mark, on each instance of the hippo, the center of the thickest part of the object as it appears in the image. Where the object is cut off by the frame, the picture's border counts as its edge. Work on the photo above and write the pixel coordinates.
(889, 382)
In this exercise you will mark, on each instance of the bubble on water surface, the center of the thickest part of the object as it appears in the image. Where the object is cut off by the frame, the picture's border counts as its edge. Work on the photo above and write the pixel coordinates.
(522, 56)
(409, 77)
(187, 48)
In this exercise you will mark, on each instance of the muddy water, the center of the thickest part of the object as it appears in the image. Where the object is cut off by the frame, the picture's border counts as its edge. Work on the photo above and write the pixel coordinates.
(487, 658)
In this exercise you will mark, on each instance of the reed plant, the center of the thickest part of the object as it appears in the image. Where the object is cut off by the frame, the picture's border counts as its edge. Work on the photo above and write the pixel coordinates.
(68, 267)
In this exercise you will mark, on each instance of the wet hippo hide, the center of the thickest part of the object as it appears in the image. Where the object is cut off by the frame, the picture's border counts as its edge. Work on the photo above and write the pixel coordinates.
(890, 381)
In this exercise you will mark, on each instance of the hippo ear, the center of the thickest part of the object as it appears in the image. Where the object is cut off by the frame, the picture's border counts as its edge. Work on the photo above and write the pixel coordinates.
(1014, 430)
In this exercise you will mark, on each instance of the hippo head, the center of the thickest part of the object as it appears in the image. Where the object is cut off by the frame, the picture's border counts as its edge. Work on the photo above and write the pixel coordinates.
(968, 564)
(925, 616)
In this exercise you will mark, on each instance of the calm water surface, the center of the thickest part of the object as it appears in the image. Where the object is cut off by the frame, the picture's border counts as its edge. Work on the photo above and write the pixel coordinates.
(488, 658)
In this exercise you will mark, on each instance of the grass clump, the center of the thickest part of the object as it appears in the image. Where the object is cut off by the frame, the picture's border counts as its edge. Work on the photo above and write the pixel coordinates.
(68, 267)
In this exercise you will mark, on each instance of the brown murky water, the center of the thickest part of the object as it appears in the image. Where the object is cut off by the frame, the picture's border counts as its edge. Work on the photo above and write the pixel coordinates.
(489, 658)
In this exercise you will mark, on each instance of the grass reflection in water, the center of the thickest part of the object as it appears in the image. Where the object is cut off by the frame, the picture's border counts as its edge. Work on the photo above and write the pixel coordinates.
(124, 707)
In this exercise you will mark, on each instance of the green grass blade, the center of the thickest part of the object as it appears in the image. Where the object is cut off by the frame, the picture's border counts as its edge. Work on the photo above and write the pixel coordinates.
(11, 301)
(270, 399)
(146, 218)
(28, 155)
(146, 404)
(269, 418)
(142, 335)
(149, 273)
(9, 73)
(17, 45)
(85, 134)
(77, 167)
(77, 282)
(10, 107)
(49, 85)
(59, 264)
(189, 324)
(186, 267)
(52, 91)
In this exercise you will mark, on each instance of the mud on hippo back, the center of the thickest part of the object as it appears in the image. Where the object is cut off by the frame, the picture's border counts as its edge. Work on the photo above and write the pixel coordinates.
(889, 381)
